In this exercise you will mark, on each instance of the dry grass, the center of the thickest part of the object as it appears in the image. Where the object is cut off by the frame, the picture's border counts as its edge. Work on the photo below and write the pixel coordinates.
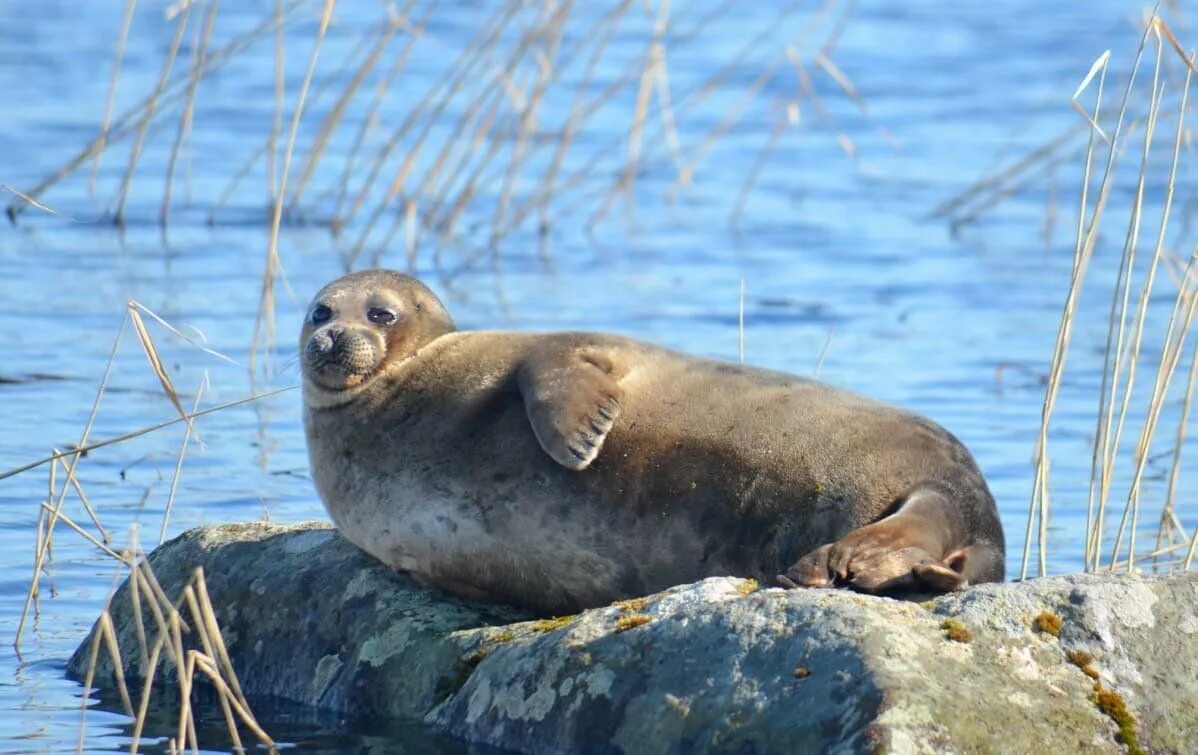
(515, 131)
(1136, 341)
(160, 622)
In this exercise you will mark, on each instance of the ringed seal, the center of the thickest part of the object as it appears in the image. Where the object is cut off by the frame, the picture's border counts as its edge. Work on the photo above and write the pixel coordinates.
(562, 471)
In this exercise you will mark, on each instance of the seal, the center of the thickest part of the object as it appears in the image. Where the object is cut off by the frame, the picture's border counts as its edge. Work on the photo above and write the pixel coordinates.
(561, 471)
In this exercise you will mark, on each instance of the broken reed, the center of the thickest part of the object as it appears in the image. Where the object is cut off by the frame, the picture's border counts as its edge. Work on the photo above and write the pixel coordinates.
(191, 614)
(1127, 351)
(159, 622)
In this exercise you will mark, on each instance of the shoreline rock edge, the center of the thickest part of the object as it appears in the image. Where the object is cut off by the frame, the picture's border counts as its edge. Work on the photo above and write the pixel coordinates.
(715, 666)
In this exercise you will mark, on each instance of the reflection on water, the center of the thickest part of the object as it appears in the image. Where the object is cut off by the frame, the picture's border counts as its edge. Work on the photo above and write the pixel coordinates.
(835, 251)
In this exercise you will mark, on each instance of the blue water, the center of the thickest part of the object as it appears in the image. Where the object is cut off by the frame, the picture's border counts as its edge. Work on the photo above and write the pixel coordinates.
(836, 248)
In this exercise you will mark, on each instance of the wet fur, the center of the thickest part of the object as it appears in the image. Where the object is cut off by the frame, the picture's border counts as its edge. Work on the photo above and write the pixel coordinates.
(711, 468)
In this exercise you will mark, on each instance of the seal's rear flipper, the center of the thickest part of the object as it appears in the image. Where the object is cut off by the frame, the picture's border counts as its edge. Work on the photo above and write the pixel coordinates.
(918, 546)
(572, 400)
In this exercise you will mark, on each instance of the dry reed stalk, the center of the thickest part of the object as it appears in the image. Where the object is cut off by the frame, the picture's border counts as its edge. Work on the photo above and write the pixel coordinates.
(1155, 554)
(501, 76)
(203, 35)
(126, 22)
(602, 34)
(208, 617)
(75, 453)
(269, 146)
(686, 173)
(1187, 301)
(104, 635)
(187, 432)
(443, 88)
(1126, 328)
(1084, 246)
(213, 662)
(736, 111)
(129, 121)
(143, 126)
(47, 539)
(449, 185)
(135, 304)
(823, 352)
(1161, 385)
(763, 156)
(206, 665)
(130, 557)
(986, 191)
(205, 639)
(264, 324)
(185, 731)
(160, 606)
(83, 499)
(371, 116)
(1156, 400)
(648, 80)
(1168, 516)
(276, 125)
(580, 110)
(150, 580)
(1189, 557)
(544, 76)
(151, 352)
(83, 449)
(331, 121)
(235, 180)
(690, 99)
(39, 540)
(58, 516)
(481, 115)
(108, 632)
(147, 689)
(33, 202)
(1126, 267)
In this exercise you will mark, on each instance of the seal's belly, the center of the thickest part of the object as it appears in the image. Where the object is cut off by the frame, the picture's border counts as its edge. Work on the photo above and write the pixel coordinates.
(563, 540)
(511, 540)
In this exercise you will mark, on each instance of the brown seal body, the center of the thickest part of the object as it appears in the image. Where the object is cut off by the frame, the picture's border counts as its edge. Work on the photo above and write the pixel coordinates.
(565, 470)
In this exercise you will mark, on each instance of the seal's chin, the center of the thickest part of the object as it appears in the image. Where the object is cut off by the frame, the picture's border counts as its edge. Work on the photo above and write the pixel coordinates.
(335, 378)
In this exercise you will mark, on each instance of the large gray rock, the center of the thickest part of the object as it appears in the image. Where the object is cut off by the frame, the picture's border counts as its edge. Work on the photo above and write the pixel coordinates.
(715, 666)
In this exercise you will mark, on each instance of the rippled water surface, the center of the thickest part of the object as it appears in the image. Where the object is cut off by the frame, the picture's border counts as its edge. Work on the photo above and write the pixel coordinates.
(844, 270)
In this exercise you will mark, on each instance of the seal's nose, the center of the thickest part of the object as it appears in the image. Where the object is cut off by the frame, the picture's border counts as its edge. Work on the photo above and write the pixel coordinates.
(324, 341)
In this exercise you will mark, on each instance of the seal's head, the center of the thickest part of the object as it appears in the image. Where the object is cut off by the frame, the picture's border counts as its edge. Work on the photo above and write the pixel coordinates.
(359, 324)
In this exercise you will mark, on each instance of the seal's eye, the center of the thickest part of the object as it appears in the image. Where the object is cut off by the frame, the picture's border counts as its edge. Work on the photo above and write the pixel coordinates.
(321, 313)
(380, 316)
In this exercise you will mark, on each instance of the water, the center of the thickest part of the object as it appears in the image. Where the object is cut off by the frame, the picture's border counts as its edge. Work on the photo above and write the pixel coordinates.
(837, 254)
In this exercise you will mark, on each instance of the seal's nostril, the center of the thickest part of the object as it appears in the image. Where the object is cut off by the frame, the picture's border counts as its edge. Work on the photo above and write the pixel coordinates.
(323, 341)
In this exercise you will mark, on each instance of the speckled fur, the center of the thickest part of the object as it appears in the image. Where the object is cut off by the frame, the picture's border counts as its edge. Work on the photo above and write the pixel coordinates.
(711, 468)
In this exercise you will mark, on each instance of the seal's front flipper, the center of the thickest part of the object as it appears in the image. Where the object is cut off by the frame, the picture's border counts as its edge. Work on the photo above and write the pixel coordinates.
(916, 547)
(572, 399)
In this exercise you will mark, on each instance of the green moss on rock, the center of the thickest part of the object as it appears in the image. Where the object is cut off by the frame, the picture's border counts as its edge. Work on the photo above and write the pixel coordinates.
(1110, 703)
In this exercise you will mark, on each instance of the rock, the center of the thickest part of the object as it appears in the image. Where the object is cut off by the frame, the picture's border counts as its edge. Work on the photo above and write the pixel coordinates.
(717, 666)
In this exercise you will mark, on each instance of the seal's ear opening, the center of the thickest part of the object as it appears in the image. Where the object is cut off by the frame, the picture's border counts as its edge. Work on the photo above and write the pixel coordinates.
(945, 575)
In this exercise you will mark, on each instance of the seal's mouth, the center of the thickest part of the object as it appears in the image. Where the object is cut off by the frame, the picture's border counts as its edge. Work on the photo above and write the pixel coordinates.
(332, 376)
(337, 360)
